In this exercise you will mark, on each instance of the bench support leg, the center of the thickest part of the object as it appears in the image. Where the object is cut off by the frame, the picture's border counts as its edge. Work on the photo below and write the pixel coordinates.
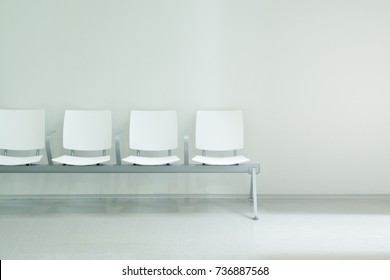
(254, 193)
(251, 189)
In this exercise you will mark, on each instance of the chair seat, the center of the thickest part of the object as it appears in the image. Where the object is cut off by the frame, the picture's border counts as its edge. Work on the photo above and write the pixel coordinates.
(7, 160)
(150, 160)
(220, 160)
(81, 161)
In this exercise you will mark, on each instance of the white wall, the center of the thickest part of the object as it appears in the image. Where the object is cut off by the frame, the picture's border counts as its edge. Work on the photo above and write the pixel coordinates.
(313, 79)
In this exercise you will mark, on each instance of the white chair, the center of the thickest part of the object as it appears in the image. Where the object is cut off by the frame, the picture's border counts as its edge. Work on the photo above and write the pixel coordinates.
(21, 130)
(219, 131)
(152, 131)
(86, 131)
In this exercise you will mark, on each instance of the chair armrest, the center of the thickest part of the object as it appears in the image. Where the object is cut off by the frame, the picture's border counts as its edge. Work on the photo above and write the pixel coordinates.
(186, 152)
(48, 146)
(118, 148)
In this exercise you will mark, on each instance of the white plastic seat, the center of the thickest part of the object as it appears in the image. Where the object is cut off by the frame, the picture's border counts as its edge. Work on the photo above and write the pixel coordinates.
(219, 131)
(152, 131)
(220, 160)
(8, 160)
(21, 130)
(81, 161)
(86, 131)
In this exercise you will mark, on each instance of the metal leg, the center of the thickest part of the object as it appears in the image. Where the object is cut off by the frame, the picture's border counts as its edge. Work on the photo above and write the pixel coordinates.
(251, 190)
(254, 193)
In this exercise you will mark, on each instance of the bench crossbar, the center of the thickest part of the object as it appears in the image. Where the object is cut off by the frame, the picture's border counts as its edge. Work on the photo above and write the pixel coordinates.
(174, 168)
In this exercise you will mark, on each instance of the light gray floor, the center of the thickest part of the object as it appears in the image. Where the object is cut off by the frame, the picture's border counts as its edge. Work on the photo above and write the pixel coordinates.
(289, 228)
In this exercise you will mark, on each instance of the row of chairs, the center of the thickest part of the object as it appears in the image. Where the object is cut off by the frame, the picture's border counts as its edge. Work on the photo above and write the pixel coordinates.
(151, 131)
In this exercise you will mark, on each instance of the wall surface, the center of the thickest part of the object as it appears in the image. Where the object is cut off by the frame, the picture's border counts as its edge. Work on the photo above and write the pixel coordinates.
(312, 77)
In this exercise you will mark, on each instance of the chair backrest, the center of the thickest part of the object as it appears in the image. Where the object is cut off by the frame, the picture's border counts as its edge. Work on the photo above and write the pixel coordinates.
(87, 130)
(219, 130)
(22, 129)
(153, 130)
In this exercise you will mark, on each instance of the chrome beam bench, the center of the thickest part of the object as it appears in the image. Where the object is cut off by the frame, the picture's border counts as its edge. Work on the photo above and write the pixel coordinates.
(251, 169)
